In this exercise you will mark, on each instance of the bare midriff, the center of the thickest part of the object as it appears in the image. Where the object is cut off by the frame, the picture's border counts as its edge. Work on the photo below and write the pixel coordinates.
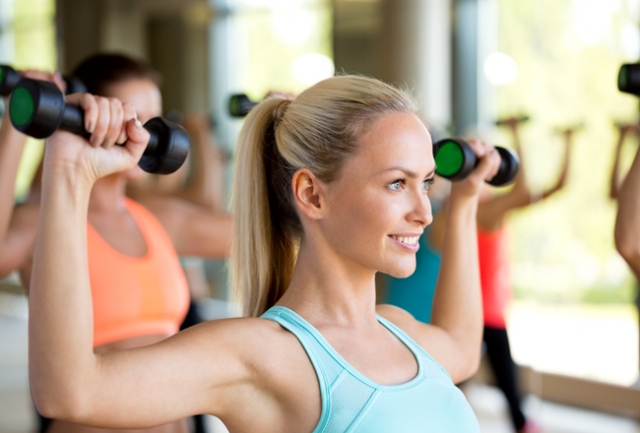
(180, 426)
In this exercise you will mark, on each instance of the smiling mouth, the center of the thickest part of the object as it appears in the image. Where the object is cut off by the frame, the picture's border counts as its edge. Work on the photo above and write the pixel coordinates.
(407, 240)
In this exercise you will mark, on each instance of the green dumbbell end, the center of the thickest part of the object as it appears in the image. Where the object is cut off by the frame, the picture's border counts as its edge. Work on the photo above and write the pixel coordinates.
(449, 159)
(2, 74)
(22, 106)
(623, 78)
(235, 106)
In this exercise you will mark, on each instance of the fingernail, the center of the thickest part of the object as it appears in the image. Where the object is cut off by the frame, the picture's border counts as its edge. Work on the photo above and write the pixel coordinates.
(91, 127)
(57, 74)
(138, 124)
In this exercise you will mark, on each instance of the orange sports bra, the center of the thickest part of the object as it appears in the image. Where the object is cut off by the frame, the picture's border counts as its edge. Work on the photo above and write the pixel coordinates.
(135, 296)
(494, 276)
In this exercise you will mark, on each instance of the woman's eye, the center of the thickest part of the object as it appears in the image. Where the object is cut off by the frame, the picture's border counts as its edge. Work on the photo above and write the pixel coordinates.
(396, 185)
(426, 184)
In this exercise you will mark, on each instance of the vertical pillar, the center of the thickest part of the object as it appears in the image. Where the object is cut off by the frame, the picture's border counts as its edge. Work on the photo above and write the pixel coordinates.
(415, 51)
(476, 34)
(79, 31)
(123, 28)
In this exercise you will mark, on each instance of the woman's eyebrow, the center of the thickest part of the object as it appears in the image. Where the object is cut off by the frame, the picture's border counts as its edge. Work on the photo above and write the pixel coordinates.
(410, 174)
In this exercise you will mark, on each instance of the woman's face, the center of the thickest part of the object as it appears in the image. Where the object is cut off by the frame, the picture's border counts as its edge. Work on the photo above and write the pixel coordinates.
(378, 208)
(145, 97)
(142, 93)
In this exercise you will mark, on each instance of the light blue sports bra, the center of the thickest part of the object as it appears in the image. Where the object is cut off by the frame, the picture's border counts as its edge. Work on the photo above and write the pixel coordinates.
(352, 403)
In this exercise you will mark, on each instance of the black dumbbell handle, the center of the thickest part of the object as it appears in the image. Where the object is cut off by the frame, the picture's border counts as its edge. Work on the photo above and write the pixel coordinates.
(459, 160)
(240, 105)
(11, 78)
(73, 121)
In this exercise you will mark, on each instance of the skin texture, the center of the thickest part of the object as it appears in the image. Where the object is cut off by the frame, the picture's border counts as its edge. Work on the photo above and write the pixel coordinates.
(615, 182)
(250, 372)
(17, 236)
(627, 227)
(206, 234)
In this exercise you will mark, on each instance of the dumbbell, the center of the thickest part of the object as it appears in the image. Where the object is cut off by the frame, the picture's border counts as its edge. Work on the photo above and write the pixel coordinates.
(9, 77)
(240, 105)
(37, 108)
(629, 78)
(455, 160)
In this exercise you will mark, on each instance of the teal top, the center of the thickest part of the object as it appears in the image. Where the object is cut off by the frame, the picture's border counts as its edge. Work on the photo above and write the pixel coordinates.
(352, 403)
(415, 293)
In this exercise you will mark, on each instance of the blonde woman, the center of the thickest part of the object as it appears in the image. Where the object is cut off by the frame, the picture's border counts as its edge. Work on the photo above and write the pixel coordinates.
(329, 189)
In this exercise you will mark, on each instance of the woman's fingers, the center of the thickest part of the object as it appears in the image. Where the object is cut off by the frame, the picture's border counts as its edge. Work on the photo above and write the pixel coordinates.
(489, 157)
(138, 137)
(115, 122)
(128, 113)
(90, 107)
(102, 123)
(104, 118)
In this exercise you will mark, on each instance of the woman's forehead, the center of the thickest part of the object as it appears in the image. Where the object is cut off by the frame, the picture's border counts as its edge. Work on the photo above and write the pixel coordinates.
(396, 138)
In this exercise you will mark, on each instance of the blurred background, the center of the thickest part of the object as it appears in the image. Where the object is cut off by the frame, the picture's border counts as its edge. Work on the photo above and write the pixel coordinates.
(573, 325)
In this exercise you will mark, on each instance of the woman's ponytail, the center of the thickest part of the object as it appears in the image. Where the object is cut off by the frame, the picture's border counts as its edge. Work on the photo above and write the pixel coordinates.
(264, 247)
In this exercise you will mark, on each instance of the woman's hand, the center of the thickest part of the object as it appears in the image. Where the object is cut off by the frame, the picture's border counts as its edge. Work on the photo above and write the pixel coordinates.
(55, 78)
(117, 140)
(486, 169)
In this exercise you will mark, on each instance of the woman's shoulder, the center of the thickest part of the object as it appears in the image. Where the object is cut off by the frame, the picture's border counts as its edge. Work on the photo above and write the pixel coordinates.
(257, 340)
(271, 357)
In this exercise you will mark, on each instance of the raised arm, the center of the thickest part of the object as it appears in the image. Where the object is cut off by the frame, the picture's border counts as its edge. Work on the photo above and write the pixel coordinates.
(614, 184)
(567, 136)
(11, 147)
(454, 336)
(205, 182)
(627, 228)
(491, 213)
(17, 229)
(137, 388)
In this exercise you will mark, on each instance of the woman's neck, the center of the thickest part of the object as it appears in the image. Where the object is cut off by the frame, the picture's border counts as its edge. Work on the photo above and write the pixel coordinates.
(108, 194)
(326, 287)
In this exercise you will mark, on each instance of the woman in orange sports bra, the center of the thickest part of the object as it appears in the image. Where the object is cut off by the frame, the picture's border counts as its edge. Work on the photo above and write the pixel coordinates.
(139, 291)
(495, 278)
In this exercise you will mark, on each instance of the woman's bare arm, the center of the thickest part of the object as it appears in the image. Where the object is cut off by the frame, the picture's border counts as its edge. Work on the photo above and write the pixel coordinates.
(627, 227)
(17, 228)
(205, 183)
(491, 213)
(455, 333)
(12, 145)
(615, 181)
(136, 388)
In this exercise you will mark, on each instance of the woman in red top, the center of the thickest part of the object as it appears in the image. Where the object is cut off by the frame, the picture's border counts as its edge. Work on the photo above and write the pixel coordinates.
(494, 273)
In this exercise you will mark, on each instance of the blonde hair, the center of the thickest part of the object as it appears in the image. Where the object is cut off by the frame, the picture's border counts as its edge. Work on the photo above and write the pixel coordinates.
(317, 130)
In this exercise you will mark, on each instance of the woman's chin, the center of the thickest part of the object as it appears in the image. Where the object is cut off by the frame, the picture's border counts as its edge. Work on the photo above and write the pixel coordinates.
(401, 271)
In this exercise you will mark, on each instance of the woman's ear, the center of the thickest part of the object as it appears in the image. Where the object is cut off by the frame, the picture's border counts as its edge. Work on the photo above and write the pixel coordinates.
(308, 193)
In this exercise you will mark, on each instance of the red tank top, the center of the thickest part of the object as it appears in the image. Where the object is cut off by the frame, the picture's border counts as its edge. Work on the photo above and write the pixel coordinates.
(135, 296)
(495, 278)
